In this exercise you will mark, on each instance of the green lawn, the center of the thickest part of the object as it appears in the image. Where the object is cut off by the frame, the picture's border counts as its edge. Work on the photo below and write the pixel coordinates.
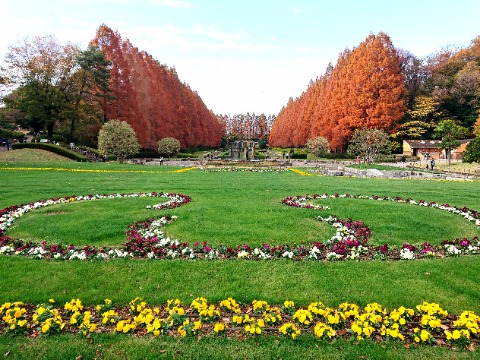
(232, 208)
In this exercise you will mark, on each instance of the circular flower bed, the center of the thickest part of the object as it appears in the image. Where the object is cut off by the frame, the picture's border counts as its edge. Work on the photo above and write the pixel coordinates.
(427, 323)
(146, 239)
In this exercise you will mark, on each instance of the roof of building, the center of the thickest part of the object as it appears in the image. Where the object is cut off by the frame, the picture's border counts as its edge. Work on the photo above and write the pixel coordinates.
(430, 143)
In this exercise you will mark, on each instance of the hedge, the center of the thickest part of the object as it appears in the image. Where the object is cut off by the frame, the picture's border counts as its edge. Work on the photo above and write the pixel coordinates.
(52, 148)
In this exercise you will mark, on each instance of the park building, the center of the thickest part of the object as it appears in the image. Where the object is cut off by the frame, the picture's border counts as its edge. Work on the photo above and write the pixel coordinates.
(431, 149)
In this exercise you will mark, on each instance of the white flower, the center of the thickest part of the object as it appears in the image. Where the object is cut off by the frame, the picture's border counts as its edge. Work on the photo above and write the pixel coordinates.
(288, 254)
(212, 254)
(243, 254)
(6, 250)
(260, 254)
(406, 254)
(172, 254)
(80, 255)
(121, 254)
(333, 256)
(472, 249)
(452, 250)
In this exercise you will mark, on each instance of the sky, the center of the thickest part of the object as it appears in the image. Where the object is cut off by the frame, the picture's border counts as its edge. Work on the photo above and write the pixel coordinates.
(246, 55)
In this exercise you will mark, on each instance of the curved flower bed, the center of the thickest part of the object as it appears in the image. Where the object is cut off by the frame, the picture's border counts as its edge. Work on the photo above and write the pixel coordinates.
(92, 170)
(146, 239)
(244, 169)
(9, 215)
(300, 172)
(427, 323)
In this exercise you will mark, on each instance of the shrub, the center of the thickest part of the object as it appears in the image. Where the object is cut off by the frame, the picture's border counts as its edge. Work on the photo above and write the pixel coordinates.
(186, 156)
(9, 134)
(318, 146)
(298, 156)
(168, 146)
(118, 138)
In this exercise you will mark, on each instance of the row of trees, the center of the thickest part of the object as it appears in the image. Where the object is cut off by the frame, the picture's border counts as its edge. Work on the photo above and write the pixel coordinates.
(151, 98)
(60, 89)
(245, 126)
(377, 86)
(364, 89)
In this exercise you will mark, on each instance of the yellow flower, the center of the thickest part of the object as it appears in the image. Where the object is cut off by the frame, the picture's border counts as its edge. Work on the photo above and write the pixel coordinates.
(322, 329)
(219, 327)
(356, 328)
(368, 330)
(237, 319)
(425, 335)
(45, 328)
(41, 310)
(181, 330)
(303, 316)
(22, 323)
(119, 326)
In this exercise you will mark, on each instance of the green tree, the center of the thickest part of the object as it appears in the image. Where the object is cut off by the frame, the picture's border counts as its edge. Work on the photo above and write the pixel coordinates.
(118, 138)
(449, 132)
(39, 69)
(368, 144)
(472, 151)
(318, 146)
(168, 146)
(87, 88)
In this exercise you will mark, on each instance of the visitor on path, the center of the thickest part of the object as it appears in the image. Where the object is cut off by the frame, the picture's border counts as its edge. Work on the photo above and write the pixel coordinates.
(432, 164)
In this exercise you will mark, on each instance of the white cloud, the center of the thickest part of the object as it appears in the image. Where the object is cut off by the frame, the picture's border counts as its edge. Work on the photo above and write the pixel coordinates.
(172, 3)
(213, 33)
(154, 38)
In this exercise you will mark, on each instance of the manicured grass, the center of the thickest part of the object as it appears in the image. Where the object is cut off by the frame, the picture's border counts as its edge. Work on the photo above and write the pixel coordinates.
(233, 208)
(452, 282)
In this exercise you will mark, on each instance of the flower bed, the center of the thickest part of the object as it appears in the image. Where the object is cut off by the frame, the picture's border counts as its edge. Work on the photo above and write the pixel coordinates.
(146, 239)
(244, 169)
(427, 323)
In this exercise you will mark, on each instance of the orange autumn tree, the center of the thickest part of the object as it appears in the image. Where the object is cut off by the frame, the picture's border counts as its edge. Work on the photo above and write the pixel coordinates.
(151, 98)
(363, 90)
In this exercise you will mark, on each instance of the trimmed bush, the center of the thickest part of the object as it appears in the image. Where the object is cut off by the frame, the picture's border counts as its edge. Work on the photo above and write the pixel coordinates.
(186, 156)
(9, 134)
(298, 156)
